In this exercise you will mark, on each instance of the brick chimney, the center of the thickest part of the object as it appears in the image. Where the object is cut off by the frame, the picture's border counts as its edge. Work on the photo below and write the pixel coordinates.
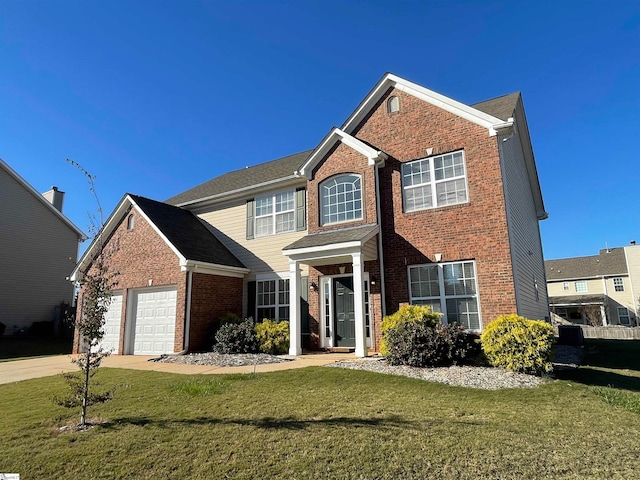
(55, 197)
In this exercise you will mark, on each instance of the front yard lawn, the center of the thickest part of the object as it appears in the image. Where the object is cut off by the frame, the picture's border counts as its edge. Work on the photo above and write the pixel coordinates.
(317, 423)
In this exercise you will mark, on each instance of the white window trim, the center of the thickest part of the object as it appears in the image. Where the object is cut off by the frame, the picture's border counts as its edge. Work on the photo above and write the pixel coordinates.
(581, 282)
(443, 298)
(627, 315)
(273, 215)
(618, 285)
(433, 182)
(322, 197)
(273, 277)
(565, 286)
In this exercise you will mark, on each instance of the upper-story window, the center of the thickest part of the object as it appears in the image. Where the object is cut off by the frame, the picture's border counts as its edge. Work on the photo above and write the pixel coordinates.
(434, 182)
(275, 214)
(341, 199)
(581, 286)
(393, 105)
(565, 286)
(618, 284)
(131, 222)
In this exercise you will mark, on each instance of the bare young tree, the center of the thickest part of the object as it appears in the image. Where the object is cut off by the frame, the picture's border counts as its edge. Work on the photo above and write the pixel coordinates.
(96, 286)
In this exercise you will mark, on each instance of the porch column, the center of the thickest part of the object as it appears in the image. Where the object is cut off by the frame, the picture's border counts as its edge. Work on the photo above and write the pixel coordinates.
(603, 314)
(295, 326)
(358, 298)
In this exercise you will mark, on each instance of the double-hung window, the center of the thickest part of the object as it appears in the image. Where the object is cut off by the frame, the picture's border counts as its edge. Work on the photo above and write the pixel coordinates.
(272, 299)
(618, 284)
(341, 199)
(450, 288)
(623, 316)
(434, 182)
(275, 213)
(580, 286)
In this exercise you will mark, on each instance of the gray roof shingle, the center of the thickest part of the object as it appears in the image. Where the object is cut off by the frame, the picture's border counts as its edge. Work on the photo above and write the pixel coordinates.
(344, 235)
(608, 262)
(500, 107)
(247, 177)
(187, 233)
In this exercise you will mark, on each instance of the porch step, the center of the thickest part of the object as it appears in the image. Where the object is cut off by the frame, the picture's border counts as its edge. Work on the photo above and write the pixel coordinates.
(342, 349)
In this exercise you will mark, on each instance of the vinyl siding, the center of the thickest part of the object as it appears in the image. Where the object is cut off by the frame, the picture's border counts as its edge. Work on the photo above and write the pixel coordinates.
(261, 254)
(524, 232)
(37, 253)
(632, 252)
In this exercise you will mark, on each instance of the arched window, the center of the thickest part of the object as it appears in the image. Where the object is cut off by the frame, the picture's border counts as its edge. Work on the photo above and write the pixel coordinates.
(341, 198)
(131, 222)
(393, 105)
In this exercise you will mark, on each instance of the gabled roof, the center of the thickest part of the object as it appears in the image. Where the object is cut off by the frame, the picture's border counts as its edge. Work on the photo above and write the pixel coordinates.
(41, 199)
(241, 180)
(608, 263)
(192, 242)
(334, 136)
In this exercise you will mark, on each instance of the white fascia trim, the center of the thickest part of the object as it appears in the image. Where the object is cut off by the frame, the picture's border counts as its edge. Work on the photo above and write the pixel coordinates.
(485, 120)
(109, 226)
(374, 156)
(212, 269)
(239, 192)
(42, 200)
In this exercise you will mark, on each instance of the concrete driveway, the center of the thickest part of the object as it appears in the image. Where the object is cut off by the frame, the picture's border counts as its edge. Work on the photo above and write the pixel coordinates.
(18, 370)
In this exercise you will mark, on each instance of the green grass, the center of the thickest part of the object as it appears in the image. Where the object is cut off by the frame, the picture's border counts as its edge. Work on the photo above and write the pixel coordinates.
(317, 423)
(21, 348)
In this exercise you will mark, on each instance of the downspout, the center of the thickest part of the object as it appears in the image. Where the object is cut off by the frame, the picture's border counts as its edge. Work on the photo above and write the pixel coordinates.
(380, 252)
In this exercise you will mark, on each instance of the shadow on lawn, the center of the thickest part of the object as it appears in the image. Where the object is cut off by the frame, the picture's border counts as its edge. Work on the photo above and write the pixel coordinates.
(285, 423)
(602, 356)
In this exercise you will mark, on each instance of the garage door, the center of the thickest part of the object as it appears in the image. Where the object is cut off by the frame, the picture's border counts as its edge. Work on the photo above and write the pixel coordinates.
(112, 322)
(154, 321)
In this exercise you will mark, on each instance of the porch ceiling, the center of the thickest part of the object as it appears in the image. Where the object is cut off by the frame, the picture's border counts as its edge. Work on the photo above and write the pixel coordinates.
(576, 300)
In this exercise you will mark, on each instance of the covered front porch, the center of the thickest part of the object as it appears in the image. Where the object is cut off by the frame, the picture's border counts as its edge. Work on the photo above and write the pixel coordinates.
(344, 290)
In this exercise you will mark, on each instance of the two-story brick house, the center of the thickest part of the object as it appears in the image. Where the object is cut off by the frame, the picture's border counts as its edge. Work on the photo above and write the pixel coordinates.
(416, 198)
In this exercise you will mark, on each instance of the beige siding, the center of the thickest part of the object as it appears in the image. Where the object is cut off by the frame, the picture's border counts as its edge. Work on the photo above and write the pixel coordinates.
(37, 252)
(632, 253)
(524, 231)
(262, 254)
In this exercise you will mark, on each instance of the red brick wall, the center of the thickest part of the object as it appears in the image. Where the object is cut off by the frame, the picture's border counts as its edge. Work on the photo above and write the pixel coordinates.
(475, 230)
(212, 297)
(138, 256)
(342, 159)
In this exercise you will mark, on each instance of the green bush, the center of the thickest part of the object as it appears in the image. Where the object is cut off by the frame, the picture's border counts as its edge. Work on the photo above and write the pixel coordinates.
(519, 344)
(236, 338)
(215, 325)
(420, 344)
(273, 336)
(408, 314)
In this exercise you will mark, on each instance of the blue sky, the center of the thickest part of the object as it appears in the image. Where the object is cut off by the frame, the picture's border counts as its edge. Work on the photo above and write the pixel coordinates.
(155, 97)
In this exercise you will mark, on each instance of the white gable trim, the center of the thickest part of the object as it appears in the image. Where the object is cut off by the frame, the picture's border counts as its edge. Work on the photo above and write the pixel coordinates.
(491, 123)
(374, 156)
(42, 200)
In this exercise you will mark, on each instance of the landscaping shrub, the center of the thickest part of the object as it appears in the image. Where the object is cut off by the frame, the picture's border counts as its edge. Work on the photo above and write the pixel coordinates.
(519, 344)
(236, 338)
(41, 329)
(420, 344)
(273, 336)
(408, 314)
(215, 325)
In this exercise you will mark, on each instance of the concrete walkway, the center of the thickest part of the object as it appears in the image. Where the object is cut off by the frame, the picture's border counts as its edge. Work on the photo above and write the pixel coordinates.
(18, 370)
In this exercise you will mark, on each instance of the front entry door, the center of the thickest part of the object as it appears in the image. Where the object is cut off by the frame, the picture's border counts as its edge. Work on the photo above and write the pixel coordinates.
(344, 315)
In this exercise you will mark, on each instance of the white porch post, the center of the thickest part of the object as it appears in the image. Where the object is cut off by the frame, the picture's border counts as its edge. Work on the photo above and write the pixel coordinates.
(295, 325)
(603, 314)
(358, 298)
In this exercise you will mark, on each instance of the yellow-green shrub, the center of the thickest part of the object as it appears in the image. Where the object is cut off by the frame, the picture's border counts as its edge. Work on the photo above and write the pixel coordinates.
(518, 344)
(407, 314)
(273, 336)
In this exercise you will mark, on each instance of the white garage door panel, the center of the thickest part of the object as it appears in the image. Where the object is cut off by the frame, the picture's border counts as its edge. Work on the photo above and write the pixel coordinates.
(155, 322)
(112, 322)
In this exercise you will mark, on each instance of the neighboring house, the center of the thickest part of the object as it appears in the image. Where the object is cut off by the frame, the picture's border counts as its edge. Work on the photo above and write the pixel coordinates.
(38, 251)
(417, 198)
(596, 290)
